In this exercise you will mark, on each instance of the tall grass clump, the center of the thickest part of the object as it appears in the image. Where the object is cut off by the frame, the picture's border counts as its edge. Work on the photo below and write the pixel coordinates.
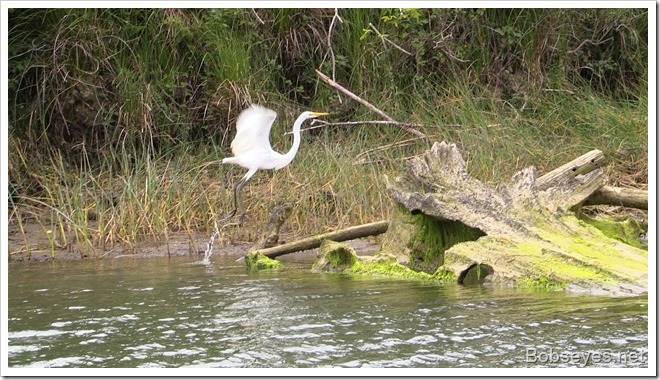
(118, 118)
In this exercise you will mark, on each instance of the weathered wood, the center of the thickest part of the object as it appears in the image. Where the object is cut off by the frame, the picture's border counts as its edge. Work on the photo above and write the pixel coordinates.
(437, 184)
(525, 231)
(355, 232)
(571, 192)
(581, 165)
(618, 196)
(271, 234)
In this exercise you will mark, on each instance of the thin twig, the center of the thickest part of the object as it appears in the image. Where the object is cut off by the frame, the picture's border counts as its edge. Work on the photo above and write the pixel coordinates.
(388, 146)
(388, 40)
(316, 124)
(258, 18)
(592, 42)
(332, 53)
(558, 90)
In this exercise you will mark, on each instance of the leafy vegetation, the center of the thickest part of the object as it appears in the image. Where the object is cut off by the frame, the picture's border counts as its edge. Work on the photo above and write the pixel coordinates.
(118, 118)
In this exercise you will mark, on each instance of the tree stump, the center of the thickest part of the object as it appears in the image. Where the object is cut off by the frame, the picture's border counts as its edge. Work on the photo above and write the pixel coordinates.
(521, 232)
(271, 234)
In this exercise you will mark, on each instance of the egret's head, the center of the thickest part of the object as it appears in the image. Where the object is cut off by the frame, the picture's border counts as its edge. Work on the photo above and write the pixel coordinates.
(310, 115)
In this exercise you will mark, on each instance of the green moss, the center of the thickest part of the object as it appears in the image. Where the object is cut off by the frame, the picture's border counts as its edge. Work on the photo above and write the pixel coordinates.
(334, 257)
(626, 230)
(444, 274)
(541, 283)
(433, 238)
(387, 267)
(261, 262)
(556, 265)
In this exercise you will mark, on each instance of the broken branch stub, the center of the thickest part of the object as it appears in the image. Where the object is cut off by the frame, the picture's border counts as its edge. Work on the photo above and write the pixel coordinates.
(437, 184)
(581, 165)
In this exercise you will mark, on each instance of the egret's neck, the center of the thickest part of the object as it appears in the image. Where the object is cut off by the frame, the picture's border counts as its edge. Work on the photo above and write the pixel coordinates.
(288, 157)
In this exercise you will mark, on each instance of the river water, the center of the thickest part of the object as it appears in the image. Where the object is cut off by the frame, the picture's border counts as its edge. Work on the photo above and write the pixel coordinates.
(171, 312)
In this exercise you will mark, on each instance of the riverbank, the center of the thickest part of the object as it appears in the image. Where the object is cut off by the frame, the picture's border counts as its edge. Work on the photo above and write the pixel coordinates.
(37, 249)
(128, 149)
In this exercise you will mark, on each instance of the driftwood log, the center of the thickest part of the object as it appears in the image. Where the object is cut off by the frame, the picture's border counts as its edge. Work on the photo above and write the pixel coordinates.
(522, 231)
(618, 196)
(356, 232)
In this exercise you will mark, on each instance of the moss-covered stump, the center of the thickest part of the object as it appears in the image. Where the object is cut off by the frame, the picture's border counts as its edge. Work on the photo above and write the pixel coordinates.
(419, 242)
(341, 258)
(257, 261)
(334, 257)
(516, 233)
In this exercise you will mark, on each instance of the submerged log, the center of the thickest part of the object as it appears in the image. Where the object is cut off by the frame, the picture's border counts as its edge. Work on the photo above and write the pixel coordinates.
(516, 233)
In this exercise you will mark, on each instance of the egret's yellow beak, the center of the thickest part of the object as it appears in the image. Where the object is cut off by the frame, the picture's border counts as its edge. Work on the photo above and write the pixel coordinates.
(317, 114)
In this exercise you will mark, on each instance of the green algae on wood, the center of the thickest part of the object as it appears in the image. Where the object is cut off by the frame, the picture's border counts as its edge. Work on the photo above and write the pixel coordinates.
(387, 267)
(340, 257)
(419, 242)
(334, 257)
(257, 261)
(627, 230)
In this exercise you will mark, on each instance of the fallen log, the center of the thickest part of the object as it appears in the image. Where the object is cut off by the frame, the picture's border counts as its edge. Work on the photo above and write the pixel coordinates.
(519, 232)
(355, 232)
(618, 196)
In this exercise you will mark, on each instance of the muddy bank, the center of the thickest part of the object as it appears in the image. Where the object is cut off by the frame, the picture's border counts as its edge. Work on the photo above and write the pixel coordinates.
(33, 245)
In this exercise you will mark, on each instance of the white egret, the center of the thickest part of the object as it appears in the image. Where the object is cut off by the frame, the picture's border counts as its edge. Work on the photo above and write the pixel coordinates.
(251, 146)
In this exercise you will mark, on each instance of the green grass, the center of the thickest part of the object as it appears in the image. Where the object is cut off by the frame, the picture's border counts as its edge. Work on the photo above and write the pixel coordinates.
(129, 199)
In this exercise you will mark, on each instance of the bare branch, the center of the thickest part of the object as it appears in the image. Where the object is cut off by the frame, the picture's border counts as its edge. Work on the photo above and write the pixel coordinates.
(387, 146)
(370, 106)
(257, 16)
(332, 53)
(316, 124)
(592, 42)
(388, 40)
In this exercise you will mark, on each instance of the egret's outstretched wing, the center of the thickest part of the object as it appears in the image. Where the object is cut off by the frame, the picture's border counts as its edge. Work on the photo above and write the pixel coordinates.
(253, 130)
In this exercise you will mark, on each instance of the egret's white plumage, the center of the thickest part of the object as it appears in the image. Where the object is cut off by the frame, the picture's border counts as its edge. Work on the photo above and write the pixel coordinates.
(251, 145)
(253, 130)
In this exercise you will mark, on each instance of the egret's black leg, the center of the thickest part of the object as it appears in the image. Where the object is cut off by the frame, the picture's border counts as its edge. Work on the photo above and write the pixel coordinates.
(238, 201)
(232, 213)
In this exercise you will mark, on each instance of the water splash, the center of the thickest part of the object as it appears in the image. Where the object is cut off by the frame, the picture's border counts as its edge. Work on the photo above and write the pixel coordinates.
(209, 246)
(216, 232)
